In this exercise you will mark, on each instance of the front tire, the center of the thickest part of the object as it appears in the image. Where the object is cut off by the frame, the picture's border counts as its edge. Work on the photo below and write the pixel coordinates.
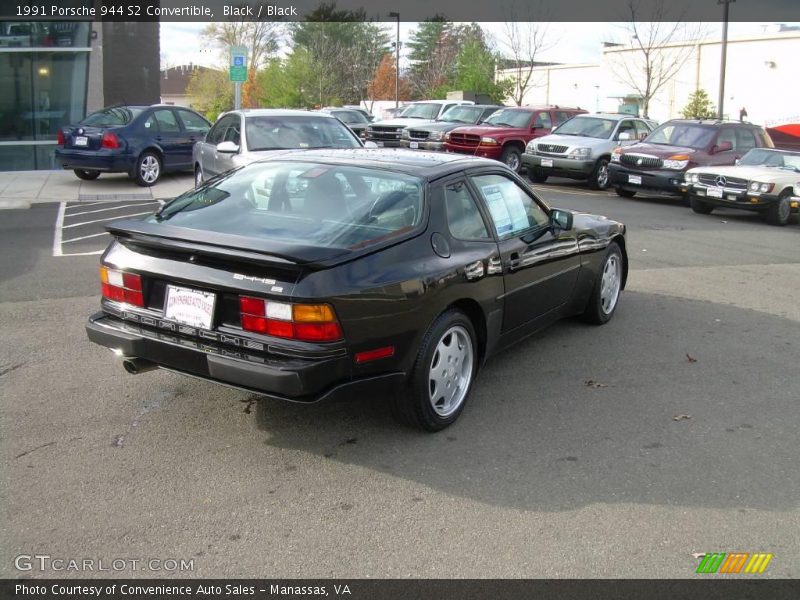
(86, 175)
(624, 193)
(198, 176)
(148, 169)
(700, 207)
(598, 180)
(607, 287)
(780, 212)
(512, 158)
(442, 376)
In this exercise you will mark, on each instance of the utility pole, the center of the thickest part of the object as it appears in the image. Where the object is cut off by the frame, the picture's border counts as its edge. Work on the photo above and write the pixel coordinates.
(724, 53)
(396, 15)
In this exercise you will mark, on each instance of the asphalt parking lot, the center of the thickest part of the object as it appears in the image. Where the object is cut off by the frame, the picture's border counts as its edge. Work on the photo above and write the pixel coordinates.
(618, 451)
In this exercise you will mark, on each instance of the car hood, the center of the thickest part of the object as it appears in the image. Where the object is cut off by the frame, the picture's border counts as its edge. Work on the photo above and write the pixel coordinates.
(659, 150)
(402, 122)
(755, 173)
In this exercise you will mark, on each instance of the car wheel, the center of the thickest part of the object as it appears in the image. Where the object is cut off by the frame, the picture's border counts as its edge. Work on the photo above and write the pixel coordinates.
(512, 158)
(700, 207)
(198, 176)
(86, 175)
(607, 287)
(599, 177)
(442, 376)
(624, 193)
(780, 212)
(537, 175)
(148, 169)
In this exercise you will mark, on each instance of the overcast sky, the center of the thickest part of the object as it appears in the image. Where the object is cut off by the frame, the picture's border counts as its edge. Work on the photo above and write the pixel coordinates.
(571, 42)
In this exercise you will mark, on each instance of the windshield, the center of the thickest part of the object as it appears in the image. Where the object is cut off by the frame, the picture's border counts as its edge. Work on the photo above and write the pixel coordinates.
(462, 114)
(306, 131)
(302, 203)
(421, 110)
(688, 135)
(113, 117)
(349, 116)
(593, 127)
(763, 157)
(509, 117)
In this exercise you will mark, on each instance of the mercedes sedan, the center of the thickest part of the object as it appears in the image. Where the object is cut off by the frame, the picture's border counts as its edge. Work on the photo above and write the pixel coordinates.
(386, 274)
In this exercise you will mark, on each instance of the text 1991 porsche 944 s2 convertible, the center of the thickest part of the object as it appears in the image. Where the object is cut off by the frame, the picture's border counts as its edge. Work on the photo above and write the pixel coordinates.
(320, 273)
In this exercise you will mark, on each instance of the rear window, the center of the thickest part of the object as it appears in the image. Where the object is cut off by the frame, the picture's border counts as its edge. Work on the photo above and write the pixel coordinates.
(113, 117)
(288, 132)
(303, 203)
(688, 135)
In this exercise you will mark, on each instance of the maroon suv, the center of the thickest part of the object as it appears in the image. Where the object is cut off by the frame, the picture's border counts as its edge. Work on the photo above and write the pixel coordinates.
(658, 163)
(504, 135)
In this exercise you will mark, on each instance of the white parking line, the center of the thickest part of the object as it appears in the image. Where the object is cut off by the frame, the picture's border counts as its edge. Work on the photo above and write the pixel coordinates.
(89, 212)
(59, 223)
(85, 204)
(84, 237)
(147, 212)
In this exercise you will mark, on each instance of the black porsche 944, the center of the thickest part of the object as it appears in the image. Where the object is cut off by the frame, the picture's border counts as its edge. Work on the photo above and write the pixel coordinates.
(320, 273)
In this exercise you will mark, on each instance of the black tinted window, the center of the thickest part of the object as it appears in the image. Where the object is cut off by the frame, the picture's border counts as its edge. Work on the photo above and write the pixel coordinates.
(167, 123)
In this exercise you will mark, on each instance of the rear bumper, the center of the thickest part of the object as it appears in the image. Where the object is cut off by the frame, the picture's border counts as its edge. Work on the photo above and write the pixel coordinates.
(559, 167)
(94, 160)
(670, 183)
(282, 378)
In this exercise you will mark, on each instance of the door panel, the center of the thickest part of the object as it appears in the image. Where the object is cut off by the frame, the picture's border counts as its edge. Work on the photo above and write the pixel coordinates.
(171, 139)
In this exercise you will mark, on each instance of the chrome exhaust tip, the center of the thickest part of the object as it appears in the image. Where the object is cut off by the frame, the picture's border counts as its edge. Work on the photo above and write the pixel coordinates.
(134, 366)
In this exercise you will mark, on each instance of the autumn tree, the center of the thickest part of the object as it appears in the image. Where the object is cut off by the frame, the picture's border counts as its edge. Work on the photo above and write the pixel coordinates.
(210, 91)
(382, 86)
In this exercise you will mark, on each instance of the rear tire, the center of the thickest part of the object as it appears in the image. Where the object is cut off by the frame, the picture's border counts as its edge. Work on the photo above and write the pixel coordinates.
(441, 379)
(780, 212)
(512, 158)
(148, 169)
(198, 176)
(700, 207)
(607, 288)
(86, 175)
(598, 180)
(536, 175)
(624, 193)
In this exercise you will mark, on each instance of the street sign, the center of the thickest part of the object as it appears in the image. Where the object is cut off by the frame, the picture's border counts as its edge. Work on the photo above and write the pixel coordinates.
(238, 64)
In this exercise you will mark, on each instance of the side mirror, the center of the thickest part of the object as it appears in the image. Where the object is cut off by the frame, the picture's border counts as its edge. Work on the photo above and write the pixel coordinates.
(227, 147)
(722, 147)
(624, 136)
(370, 145)
(561, 219)
(533, 128)
(736, 162)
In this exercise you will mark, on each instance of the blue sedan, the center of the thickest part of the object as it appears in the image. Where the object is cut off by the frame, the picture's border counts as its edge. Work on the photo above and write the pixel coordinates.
(143, 141)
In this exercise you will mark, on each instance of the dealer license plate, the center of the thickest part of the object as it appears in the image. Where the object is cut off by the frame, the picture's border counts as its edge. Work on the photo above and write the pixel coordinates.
(714, 193)
(547, 162)
(635, 179)
(190, 307)
(413, 145)
(81, 140)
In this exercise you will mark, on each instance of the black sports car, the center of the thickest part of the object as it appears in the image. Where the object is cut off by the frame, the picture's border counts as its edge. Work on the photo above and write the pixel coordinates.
(328, 272)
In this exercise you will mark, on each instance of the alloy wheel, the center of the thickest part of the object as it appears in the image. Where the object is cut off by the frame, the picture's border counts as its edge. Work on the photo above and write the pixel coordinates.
(450, 371)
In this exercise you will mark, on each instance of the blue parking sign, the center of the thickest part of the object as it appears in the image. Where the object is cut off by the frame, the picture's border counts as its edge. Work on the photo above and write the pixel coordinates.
(238, 61)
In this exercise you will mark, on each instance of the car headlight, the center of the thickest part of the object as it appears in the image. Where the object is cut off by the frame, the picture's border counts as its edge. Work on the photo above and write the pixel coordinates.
(754, 186)
(766, 187)
(692, 177)
(446, 136)
(488, 141)
(670, 163)
(436, 136)
(531, 147)
(615, 154)
(579, 153)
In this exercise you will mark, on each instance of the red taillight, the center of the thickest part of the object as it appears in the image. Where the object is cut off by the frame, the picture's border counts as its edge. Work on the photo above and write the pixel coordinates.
(109, 140)
(120, 286)
(307, 322)
(60, 138)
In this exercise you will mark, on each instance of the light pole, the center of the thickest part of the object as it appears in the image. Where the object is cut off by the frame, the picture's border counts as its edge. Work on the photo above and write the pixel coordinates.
(396, 15)
(725, 3)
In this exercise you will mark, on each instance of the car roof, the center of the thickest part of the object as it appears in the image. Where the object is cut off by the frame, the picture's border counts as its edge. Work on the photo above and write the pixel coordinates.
(278, 112)
(611, 116)
(427, 165)
(712, 122)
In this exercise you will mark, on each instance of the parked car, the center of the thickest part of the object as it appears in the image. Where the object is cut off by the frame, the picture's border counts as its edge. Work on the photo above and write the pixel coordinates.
(504, 135)
(431, 136)
(318, 274)
(367, 115)
(581, 147)
(388, 132)
(143, 141)
(762, 181)
(658, 163)
(354, 119)
(240, 137)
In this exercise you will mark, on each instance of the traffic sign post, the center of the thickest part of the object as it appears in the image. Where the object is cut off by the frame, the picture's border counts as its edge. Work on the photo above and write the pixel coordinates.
(238, 72)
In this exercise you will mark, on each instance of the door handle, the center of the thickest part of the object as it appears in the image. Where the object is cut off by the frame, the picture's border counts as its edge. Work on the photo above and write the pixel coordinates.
(514, 261)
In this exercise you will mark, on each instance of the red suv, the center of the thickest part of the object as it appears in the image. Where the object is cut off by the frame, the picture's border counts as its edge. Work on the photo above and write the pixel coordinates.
(504, 135)
(658, 163)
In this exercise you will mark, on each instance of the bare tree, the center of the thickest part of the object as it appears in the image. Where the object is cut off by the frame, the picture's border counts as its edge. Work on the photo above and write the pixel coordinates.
(661, 49)
(262, 39)
(525, 41)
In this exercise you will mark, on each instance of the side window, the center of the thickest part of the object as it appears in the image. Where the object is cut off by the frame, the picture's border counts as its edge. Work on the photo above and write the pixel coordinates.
(728, 134)
(193, 123)
(232, 133)
(642, 130)
(488, 112)
(151, 125)
(562, 116)
(512, 209)
(445, 108)
(745, 140)
(167, 122)
(217, 131)
(542, 121)
(627, 127)
(463, 217)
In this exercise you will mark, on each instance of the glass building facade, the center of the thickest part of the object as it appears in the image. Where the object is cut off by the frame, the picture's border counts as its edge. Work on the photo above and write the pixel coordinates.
(44, 71)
